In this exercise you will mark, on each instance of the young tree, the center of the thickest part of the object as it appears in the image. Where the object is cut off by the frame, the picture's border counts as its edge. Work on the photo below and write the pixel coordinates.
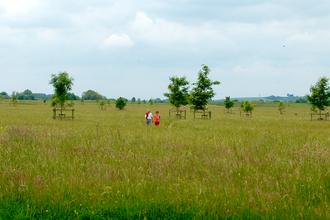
(144, 101)
(203, 91)
(248, 107)
(320, 94)
(120, 103)
(133, 99)
(281, 107)
(14, 96)
(151, 102)
(102, 104)
(228, 104)
(62, 84)
(178, 94)
(139, 101)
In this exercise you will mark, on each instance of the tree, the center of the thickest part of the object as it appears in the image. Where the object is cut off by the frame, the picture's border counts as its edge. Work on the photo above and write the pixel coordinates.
(281, 107)
(203, 92)
(151, 102)
(14, 96)
(320, 94)
(102, 103)
(144, 101)
(133, 99)
(139, 101)
(62, 84)
(228, 104)
(120, 103)
(248, 107)
(178, 94)
(92, 95)
(301, 100)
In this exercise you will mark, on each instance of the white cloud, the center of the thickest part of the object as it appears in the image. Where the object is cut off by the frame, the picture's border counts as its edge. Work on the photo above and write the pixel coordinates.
(121, 40)
(17, 6)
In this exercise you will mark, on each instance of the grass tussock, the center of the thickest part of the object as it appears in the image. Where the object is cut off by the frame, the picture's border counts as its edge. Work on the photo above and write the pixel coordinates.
(110, 165)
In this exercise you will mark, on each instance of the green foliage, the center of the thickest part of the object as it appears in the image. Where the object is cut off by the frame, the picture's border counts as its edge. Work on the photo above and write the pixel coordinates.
(301, 100)
(151, 102)
(14, 96)
(82, 100)
(281, 107)
(120, 103)
(139, 101)
(203, 91)
(133, 99)
(178, 94)
(320, 94)
(62, 84)
(228, 104)
(144, 101)
(248, 106)
(92, 95)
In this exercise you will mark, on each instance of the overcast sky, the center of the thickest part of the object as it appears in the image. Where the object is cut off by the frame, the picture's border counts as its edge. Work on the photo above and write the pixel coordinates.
(131, 47)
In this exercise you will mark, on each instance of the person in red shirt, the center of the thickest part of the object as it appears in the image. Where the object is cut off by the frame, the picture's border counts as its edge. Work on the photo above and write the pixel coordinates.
(157, 118)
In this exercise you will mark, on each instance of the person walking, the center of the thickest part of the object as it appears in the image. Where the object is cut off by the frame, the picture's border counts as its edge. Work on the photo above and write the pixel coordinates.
(149, 117)
(157, 118)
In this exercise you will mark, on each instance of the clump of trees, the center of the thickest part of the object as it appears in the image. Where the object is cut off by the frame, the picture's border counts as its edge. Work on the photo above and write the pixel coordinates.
(120, 103)
(92, 95)
(62, 84)
(200, 94)
(320, 95)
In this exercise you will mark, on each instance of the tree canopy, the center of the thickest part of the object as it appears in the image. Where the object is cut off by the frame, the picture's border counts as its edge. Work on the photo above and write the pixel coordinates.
(62, 84)
(203, 91)
(120, 103)
(320, 94)
(228, 103)
(248, 106)
(178, 94)
(92, 95)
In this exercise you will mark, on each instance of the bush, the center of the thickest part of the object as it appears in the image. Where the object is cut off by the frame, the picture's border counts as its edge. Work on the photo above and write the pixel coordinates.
(120, 103)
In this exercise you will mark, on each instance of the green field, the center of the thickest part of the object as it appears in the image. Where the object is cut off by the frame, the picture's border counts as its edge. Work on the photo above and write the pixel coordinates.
(109, 165)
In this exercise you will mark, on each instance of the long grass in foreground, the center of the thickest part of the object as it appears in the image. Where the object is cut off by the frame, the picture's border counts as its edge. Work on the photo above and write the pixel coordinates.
(110, 165)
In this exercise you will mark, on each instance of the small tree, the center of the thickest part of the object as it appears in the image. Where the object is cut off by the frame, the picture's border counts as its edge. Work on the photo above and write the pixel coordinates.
(102, 104)
(14, 96)
(133, 99)
(44, 100)
(178, 94)
(320, 94)
(120, 103)
(144, 101)
(139, 101)
(62, 84)
(203, 91)
(281, 107)
(151, 102)
(228, 104)
(248, 107)
(82, 101)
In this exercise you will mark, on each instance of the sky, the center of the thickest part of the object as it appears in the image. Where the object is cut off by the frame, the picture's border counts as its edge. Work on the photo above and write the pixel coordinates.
(130, 48)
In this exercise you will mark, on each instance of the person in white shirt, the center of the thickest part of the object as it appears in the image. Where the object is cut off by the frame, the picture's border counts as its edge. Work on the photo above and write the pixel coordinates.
(149, 117)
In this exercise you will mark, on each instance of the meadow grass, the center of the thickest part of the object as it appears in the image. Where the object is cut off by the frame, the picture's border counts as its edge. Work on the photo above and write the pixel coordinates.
(107, 164)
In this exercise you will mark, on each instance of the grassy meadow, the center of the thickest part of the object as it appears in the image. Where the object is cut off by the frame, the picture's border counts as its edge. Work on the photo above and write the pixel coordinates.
(107, 164)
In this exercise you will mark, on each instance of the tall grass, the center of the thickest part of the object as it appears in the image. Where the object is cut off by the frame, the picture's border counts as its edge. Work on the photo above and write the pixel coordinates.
(110, 165)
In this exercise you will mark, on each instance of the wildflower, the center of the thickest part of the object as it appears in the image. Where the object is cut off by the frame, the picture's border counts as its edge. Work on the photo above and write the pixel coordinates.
(46, 210)
(80, 204)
